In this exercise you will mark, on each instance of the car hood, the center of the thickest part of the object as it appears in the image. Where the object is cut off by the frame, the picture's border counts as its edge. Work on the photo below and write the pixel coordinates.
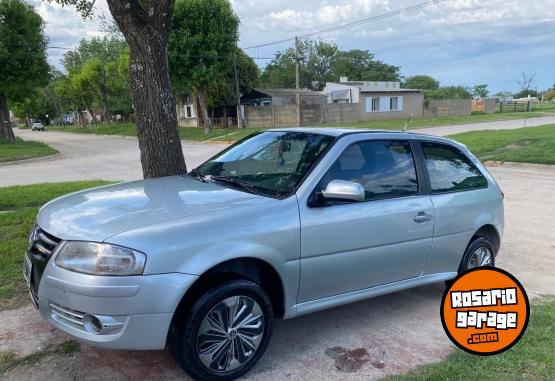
(100, 213)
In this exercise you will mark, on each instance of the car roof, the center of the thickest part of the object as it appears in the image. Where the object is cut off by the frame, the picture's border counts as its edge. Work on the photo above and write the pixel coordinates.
(330, 131)
(342, 131)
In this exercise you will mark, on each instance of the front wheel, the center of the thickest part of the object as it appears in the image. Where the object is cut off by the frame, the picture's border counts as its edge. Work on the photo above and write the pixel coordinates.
(225, 333)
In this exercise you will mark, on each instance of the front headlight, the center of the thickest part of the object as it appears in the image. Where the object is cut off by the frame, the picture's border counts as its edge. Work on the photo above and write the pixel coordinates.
(99, 259)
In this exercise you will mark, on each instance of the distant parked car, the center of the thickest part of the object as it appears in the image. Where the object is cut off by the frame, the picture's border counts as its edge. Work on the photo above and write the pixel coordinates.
(37, 126)
(281, 224)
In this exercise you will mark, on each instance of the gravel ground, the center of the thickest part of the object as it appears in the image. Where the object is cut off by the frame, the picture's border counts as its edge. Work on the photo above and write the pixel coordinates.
(362, 341)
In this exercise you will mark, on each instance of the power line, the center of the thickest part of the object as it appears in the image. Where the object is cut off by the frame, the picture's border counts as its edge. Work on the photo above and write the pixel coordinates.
(351, 24)
(191, 56)
(317, 33)
(60, 47)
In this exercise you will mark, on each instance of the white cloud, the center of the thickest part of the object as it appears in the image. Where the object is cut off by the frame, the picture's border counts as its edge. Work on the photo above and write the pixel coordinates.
(441, 39)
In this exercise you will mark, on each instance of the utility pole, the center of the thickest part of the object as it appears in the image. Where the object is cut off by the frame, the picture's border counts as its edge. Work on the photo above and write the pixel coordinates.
(237, 93)
(297, 92)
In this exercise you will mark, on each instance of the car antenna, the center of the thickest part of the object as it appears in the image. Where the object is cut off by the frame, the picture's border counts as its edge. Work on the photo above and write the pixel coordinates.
(407, 122)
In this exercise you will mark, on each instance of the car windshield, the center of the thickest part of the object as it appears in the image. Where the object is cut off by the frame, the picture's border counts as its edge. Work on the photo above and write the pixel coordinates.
(272, 163)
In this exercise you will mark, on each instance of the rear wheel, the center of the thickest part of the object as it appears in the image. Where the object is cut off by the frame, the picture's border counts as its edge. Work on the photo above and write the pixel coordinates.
(479, 253)
(225, 333)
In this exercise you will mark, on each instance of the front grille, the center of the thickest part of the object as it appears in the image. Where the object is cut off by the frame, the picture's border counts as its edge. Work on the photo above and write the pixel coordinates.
(40, 249)
(41, 243)
(67, 316)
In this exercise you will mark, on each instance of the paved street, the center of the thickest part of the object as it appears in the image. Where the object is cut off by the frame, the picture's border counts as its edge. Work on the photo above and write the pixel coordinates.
(362, 341)
(88, 157)
(85, 157)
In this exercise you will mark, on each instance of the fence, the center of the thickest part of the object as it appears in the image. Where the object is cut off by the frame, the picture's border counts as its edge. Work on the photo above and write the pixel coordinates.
(515, 106)
(286, 116)
(448, 107)
(486, 106)
(216, 122)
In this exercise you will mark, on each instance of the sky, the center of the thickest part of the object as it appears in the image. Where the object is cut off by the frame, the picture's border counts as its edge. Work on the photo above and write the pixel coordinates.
(459, 42)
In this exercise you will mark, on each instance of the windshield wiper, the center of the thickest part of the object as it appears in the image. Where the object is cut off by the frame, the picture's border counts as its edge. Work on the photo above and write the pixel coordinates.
(197, 175)
(230, 180)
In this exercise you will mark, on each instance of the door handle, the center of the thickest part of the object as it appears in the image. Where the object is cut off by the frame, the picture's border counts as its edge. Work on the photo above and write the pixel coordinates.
(422, 217)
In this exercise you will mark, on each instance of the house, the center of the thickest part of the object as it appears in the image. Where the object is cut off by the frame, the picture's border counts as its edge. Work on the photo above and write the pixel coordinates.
(377, 99)
(187, 110)
(282, 97)
(189, 113)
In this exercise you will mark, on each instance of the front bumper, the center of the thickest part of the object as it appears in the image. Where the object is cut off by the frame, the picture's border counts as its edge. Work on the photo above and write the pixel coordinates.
(138, 308)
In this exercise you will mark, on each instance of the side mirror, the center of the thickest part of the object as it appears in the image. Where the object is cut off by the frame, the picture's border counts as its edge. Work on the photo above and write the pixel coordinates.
(344, 190)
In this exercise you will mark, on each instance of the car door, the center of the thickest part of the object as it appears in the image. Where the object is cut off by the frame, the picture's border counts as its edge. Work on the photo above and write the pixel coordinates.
(349, 246)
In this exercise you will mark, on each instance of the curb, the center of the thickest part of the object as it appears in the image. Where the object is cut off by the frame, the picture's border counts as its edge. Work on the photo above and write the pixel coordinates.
(213, 141)
(52, 157)
(512, 164)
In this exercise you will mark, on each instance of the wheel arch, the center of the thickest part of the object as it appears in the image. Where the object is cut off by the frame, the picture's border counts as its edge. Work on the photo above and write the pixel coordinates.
(253, 269)
(491, 233)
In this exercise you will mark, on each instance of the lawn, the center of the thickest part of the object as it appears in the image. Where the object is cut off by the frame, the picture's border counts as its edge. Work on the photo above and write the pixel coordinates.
(546, 106)
(399, 124)
(523, 145)
(18, 209)
(192, 134)
(233, 134)
(532, 358)
(23, 149)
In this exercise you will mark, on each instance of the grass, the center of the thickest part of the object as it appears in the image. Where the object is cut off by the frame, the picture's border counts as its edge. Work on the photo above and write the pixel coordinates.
(23, 149)
(234, 134)
(9, 360)
(532, 358)
(128, 129)
(523, 145)
(546, 106)
(18, 209)
(399, 124)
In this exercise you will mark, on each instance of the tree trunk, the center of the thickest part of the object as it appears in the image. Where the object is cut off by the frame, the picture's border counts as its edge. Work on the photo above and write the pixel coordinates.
(105, 109)
(146, 29)
(5, 126)
(204, 110)
(89, 109)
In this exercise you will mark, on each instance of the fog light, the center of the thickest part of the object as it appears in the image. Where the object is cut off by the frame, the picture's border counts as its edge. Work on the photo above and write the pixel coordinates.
(92, 324)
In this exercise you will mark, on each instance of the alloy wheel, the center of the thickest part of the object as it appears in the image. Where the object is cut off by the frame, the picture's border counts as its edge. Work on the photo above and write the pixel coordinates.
(481, 257)
(230, 334)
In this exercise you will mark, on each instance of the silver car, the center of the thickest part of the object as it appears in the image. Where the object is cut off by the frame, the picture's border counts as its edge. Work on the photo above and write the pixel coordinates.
(281, 224)
(37, 126)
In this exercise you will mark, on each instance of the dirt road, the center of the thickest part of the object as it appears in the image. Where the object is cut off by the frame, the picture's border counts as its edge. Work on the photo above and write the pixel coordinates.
(362, 341)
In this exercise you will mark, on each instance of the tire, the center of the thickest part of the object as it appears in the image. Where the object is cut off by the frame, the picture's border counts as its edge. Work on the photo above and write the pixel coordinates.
(471, 258)
(188, 338)
(474, 245)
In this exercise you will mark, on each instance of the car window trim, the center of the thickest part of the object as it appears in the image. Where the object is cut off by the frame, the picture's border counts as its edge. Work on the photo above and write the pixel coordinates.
(431, 192)
(422, 189)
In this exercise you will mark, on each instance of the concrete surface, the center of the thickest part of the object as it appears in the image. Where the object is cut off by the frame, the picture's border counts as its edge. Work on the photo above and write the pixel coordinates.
(499, 125)
(89, 157)
(362, 341)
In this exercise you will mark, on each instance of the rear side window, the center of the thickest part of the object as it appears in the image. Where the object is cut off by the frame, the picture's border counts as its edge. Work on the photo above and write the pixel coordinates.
(450, 170)
(385, 168)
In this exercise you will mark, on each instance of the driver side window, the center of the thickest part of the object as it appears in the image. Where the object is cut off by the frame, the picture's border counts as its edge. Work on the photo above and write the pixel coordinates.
(385, 168)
